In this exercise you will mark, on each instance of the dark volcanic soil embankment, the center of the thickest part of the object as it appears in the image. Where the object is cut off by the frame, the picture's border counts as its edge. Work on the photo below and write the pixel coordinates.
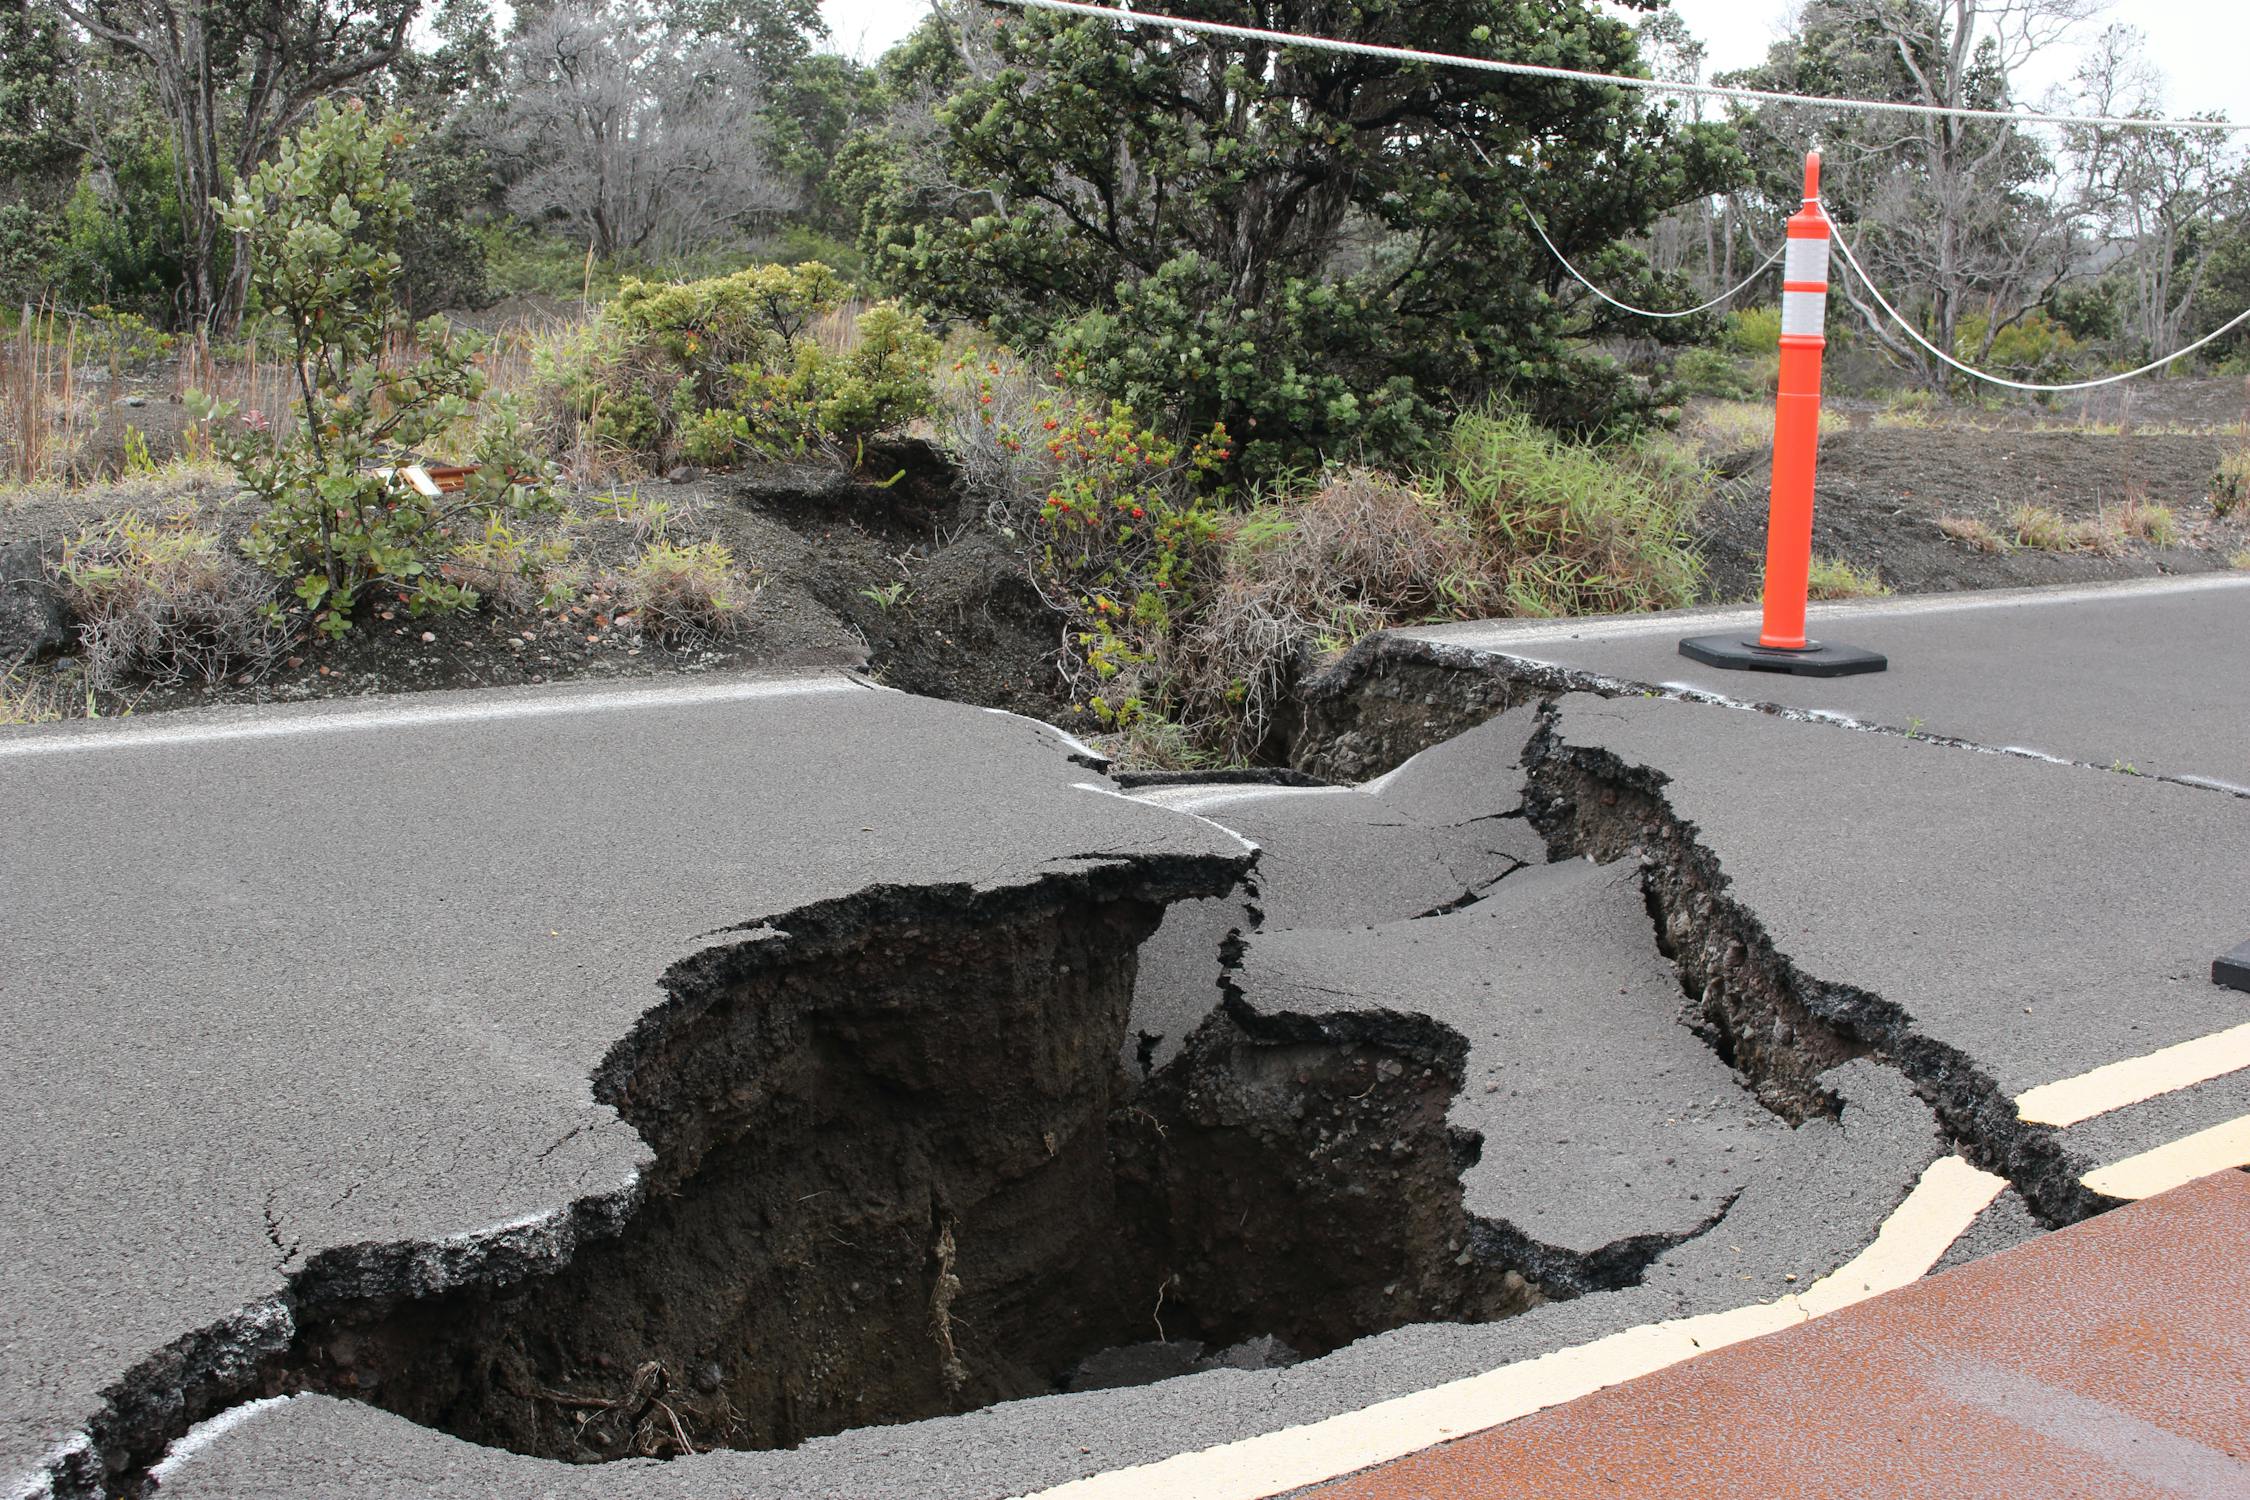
(1882, 490)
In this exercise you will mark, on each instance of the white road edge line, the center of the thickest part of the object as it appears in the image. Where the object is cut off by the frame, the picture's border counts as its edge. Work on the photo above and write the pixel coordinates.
(416, 716)
(1476, 634)
(206, 1432)
(2067, 1101)
(2174, 1164)
(1943, 1204)
(1190, 797)
(1110, 791)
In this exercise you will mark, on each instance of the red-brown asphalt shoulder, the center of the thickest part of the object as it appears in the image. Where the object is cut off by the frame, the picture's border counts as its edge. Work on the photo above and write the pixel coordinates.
(2111, 1359)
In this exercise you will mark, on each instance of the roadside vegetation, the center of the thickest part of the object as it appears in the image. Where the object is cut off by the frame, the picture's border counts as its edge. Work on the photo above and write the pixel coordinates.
(431, 358)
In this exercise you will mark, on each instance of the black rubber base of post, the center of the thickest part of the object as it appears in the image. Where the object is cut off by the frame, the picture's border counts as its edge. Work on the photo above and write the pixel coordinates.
(2233, 971)
(1819, 659)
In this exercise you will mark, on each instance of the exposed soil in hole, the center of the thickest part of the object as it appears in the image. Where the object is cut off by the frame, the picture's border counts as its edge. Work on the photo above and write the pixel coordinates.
(902, 1174)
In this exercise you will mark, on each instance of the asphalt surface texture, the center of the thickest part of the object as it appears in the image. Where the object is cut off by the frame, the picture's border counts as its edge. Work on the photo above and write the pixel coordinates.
(2038, 919)
(279, 985)
(1437, 832)
(327, 987)
(1609, 1130)
(2149, 675)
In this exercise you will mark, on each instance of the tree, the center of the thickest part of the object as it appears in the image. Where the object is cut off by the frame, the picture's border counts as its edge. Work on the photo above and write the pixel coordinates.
(319, 225)
(1956, 216)
(232, 78)
(2158, 197)
(37, 106)
(38, 150)
(774, 36)
(455, 86)
(636, 135)
(815, 109)
(1322, 251)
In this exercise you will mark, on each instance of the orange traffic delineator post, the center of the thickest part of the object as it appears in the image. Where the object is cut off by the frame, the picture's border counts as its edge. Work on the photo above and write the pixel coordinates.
(1781, 645)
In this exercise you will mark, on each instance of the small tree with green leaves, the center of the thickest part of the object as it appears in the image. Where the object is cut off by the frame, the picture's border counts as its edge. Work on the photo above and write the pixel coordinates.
(321, 223)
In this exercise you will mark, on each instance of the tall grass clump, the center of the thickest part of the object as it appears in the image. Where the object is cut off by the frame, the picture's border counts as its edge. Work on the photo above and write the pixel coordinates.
(682, 591)
(43, 420)
(2230, 482)
(166, 600)
(1510, 521)
(1568, 529)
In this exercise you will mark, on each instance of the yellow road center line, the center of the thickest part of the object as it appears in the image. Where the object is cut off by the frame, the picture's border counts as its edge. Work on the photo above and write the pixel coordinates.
(2118, 1084)
(1943, 1204)
(2180, 1162)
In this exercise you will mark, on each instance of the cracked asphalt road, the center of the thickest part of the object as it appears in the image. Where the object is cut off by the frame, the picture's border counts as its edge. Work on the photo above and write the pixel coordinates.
(277, 984)
(234, 1069)
(2152, 675)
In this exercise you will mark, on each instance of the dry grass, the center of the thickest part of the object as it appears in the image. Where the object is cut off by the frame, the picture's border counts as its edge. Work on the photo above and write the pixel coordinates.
(1513, 522)
(512, 569)
(681, 591)
(1834, 578)
(2153, 524)
(2240, 560)
(2230, 482)
(1973, 532)
(2043, 530)
(168, 601)
(44, 417)
(1362, 552)
(28, 697)
(1721, 427)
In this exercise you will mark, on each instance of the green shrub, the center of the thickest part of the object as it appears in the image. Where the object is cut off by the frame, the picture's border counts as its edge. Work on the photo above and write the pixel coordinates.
(1753, 330)
(711, 370)
(715, 438)
(126, 340)
(167, 601)
(1118, 537)
(2036, 347)
(121, 241)
(319, 222)
(1712, 372)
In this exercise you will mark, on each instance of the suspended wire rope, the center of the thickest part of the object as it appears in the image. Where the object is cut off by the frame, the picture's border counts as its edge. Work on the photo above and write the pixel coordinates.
(1859, 271)
(1148, 20)
(1151, 21)
(1580, 276)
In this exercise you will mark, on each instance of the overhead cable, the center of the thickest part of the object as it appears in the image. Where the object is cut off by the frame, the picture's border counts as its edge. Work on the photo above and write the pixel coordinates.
(1852, 261)
(1580, 277)
(1149, 20)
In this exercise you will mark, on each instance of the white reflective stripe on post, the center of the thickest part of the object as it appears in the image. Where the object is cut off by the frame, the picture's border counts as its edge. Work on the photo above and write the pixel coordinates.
(1807, 261)
(1804, 312)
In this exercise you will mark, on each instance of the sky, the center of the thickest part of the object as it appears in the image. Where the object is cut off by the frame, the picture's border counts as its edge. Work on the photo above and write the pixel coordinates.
(2202, 46)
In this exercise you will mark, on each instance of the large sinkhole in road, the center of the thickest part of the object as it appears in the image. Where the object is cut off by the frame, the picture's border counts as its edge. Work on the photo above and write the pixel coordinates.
(902, 1174)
